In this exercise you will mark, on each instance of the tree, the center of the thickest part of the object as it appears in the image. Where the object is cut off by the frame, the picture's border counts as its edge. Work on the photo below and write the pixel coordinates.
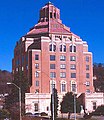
(55, 103)
(13, 99)
(4, 114)
(67, 104)
(98, 70)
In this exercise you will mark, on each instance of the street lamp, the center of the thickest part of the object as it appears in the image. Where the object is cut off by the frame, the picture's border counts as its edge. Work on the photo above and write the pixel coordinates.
(10, 83)
(74, 106)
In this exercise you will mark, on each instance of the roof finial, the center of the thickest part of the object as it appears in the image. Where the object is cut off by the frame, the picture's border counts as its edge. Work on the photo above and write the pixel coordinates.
(49, 3)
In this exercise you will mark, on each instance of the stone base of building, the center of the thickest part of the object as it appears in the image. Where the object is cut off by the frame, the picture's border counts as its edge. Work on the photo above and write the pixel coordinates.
(41, 102)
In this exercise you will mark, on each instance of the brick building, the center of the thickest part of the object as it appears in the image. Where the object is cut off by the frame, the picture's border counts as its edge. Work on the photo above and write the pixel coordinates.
(51, 54)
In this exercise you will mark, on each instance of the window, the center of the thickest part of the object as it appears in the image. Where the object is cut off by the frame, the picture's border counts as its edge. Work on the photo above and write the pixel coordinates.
(94, 105)
(87, 75)
(73, 67)
(87, 58)
(52, 66)
(36, 74)
(87, 83)
(36, 57)
(72, 58)
(54, 15)
(87, 91)
(73, 75)
(36, 65)
(52, 47)
(36, 107)
(63, 87)
(52, 57)
(73, 87)
(62, 58)
(72, 48)
(62, 48)
(52, 75)
(87, 67)
(63, 66)
(37, 83)
(63, 75)
(50, 14)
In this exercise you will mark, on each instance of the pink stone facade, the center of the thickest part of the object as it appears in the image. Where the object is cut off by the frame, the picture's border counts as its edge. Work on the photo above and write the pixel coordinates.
(51, 54)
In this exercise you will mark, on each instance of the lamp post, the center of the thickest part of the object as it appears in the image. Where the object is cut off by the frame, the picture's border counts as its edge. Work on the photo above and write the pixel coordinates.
(74, 107)
(10, 83)
(53, 117)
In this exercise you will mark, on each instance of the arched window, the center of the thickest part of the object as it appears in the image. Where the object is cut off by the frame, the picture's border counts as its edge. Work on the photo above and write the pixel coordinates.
(62, 48)
(72, 48)
(52, 47)
(63, 86)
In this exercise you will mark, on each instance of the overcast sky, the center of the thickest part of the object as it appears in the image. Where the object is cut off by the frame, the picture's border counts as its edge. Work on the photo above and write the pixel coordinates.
(84, 17)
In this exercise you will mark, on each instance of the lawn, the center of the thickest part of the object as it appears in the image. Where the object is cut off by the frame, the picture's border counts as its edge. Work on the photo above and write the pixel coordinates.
(40, 118)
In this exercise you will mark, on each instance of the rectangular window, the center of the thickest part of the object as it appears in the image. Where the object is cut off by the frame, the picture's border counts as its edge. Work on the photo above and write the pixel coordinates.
(87, 91)
(62, 75)
(87, 83)
(36, 106)
(72, 58)
(36, 74)
(73, 75)
(36, 57)
(37, 83)
(63, 66)
(73, 67)
(87, 75)
(87, 58)
(62, 58)
(52, 75)
(87, 67)
(36, 65)
(52, 57)
(52, 66)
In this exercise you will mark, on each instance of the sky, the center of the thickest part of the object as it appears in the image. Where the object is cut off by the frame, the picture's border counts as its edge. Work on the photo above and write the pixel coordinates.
(84, 17)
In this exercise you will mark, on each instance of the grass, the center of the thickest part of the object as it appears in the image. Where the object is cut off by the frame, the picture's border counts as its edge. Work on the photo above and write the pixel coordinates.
(39, 118)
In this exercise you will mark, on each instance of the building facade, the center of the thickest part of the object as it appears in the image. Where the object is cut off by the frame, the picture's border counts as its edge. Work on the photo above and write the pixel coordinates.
(51, 55)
